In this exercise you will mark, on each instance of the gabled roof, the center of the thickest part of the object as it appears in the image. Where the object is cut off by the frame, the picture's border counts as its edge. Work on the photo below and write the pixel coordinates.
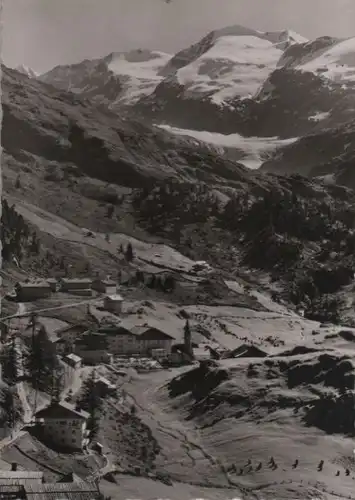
(76, 280)
(6, 489)
(106, 382)
(82, 490)
(141, 330)
(73, 357)
(115, 297)
(62, 410)
(105, 281)
(34, 284)
(68, 328)
(20, 474)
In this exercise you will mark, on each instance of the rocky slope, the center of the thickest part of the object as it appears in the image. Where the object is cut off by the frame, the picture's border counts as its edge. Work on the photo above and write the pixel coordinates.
(78, 160)
(257, 91)
(117, 80)
(43, 125)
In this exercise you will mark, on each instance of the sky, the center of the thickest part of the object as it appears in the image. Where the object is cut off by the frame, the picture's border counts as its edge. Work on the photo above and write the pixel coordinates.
(44, 33)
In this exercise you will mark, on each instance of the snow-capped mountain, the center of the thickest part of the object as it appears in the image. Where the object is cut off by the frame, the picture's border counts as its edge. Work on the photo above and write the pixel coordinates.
(235, 80)
(25, 70)
(228, 63)
(272, 84)
(119, 79)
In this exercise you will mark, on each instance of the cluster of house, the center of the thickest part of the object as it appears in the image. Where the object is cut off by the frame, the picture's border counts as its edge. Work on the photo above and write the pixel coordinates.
(99, 346)
(32, 290)
(30, 485)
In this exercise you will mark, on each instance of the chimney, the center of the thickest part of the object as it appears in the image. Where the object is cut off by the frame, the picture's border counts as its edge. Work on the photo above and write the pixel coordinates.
(14, 466)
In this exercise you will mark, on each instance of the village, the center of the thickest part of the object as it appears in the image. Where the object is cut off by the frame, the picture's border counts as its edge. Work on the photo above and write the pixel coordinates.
(102, 354)
(83, 361)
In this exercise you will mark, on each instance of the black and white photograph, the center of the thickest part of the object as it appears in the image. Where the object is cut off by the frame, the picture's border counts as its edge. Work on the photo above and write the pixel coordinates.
(177, 316)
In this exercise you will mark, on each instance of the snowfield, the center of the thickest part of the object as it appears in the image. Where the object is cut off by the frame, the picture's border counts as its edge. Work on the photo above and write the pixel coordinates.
(255, 150)
(138, 71)
(337, 63)
(233, 66)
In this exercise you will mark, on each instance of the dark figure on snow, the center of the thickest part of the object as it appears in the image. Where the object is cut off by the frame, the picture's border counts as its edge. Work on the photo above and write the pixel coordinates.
(295, 464)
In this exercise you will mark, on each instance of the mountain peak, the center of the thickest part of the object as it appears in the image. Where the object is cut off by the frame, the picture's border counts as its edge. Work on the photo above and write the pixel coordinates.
(25, 70)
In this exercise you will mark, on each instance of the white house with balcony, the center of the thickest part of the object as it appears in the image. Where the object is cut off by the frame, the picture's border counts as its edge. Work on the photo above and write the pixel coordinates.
(63, 425)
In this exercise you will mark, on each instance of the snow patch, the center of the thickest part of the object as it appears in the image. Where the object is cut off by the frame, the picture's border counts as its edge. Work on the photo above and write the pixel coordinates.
(138, 71)
(25, 70)
(337, 63)
(233, 66)
(321, 115)
(255, 150)
(327, 179)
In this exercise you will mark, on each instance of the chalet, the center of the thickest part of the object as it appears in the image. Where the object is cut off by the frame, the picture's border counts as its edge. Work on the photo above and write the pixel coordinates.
(71, 333)
(82, 286)
(107, 286)
(136, 340)
(113, 303)
(73, 360)
(26, 292)
(63, 425)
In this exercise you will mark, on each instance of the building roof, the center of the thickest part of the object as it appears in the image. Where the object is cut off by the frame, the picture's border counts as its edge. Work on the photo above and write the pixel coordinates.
(6, 489)
(82, 490)
(33, 284)
(62, 410)
(73, 357)
(141, 330)
(106, 382)
(105, 281)
(65, 329)
(137, 330)
(115, 297)
(19, 474)
(76, 280)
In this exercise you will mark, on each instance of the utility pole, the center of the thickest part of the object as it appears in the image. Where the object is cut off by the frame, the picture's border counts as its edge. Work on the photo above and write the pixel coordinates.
(33, 320)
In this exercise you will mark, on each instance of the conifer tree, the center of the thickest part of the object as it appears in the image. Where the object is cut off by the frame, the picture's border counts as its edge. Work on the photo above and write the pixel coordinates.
(91, 402)
(10, 362)
(129, 253)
